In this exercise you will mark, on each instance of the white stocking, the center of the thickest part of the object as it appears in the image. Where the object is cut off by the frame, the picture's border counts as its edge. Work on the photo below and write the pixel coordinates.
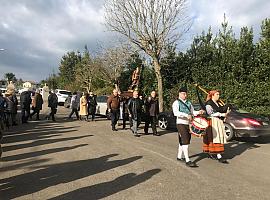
(180, 151)
(185, 150)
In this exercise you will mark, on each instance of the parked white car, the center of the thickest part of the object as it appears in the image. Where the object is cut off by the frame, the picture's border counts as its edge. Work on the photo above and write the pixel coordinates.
(62, 95)
(102, 105)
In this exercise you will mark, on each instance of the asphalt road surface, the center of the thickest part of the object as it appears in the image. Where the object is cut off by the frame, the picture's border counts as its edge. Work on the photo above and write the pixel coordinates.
(86, 160)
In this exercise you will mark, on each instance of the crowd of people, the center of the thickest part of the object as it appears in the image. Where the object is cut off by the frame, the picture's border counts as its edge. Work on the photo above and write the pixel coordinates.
(213, 139)
(84, 107)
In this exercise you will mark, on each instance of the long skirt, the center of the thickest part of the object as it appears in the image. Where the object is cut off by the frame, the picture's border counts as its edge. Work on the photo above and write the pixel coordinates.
(208, 145)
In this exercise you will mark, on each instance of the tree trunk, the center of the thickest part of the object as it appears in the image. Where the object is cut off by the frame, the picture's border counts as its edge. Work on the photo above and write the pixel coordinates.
(160, 83)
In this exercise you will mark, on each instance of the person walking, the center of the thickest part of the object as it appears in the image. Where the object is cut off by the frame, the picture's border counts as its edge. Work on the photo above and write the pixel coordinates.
(52, 103)
(83, 107)
(215, 137)
(74, 105)
(92, 104)
(25, 101)
(3, 106)
(12, 108)
(183, 111)
(113, 106)
(151, 112)
(135, 105)
(37, 104)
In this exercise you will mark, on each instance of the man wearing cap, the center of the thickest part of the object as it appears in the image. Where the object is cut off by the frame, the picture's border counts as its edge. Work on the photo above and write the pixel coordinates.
(183, 110)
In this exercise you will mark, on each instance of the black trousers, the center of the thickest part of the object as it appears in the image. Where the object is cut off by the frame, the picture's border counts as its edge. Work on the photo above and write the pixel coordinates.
(114, 117)
(25, 114)
(74, 110)
(36, 111)
(153, 121)
(52, 113)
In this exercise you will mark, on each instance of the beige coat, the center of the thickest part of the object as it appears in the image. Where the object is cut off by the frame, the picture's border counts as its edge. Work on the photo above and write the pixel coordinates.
(83, 106)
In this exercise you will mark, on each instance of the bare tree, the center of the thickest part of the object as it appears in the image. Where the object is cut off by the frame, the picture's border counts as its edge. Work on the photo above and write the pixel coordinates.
(113, 63)
(86, 71)
(150, 24)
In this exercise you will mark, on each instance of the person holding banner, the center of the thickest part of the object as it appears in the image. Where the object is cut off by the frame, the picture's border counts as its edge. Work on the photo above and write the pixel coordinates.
(184, 111)
(215, 137)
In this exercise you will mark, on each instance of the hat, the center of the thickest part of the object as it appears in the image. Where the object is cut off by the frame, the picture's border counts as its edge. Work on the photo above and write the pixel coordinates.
(183, 89)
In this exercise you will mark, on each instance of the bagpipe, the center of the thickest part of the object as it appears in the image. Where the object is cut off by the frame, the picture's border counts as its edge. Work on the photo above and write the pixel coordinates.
(200, 123)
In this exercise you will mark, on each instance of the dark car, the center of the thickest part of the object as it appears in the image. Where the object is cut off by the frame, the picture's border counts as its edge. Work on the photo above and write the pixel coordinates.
(238, 123)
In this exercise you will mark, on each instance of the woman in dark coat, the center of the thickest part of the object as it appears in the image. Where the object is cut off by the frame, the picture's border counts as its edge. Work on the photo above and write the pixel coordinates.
(37, 104)
(92, 104)
(12, 104)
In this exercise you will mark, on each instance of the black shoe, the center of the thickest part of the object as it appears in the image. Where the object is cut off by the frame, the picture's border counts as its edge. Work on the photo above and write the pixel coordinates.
(180, 159)
(211, 156)
(191, 164)
(136, 135)
(156, 134)
(222, 160)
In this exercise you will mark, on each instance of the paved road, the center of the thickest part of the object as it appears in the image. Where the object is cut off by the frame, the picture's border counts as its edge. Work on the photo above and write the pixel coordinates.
(86, 160)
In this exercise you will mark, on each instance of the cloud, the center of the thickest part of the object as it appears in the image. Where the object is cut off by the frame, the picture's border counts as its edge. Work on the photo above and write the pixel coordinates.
(37, 33)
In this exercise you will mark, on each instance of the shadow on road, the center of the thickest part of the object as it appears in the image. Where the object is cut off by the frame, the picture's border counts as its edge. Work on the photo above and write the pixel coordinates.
(41, 142)
(50, 175)
(38, 133)
(40, 153)
(232, 149)
(23, 164)
(106, 189)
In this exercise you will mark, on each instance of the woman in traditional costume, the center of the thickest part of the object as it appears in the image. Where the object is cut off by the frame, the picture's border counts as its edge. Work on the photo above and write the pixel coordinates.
(215, 137)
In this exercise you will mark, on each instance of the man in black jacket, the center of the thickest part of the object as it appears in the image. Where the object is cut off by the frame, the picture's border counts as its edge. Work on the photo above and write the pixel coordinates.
(151, 112)
(92, 104)
(52, 103)
(135, 111)
(25, 100)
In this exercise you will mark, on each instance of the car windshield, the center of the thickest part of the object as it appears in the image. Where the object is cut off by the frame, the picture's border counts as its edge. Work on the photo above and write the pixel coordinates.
(65, 92)
(102, 99)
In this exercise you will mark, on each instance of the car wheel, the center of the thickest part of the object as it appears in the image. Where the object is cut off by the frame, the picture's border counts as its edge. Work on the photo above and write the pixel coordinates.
(163, 122)
(229, 132)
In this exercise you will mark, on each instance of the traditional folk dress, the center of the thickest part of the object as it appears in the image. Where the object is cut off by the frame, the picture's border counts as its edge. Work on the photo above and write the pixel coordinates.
(215, 137)
(181, 110)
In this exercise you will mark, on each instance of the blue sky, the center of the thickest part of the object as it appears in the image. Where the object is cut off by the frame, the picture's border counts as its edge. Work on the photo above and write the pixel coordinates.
(37, 33)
